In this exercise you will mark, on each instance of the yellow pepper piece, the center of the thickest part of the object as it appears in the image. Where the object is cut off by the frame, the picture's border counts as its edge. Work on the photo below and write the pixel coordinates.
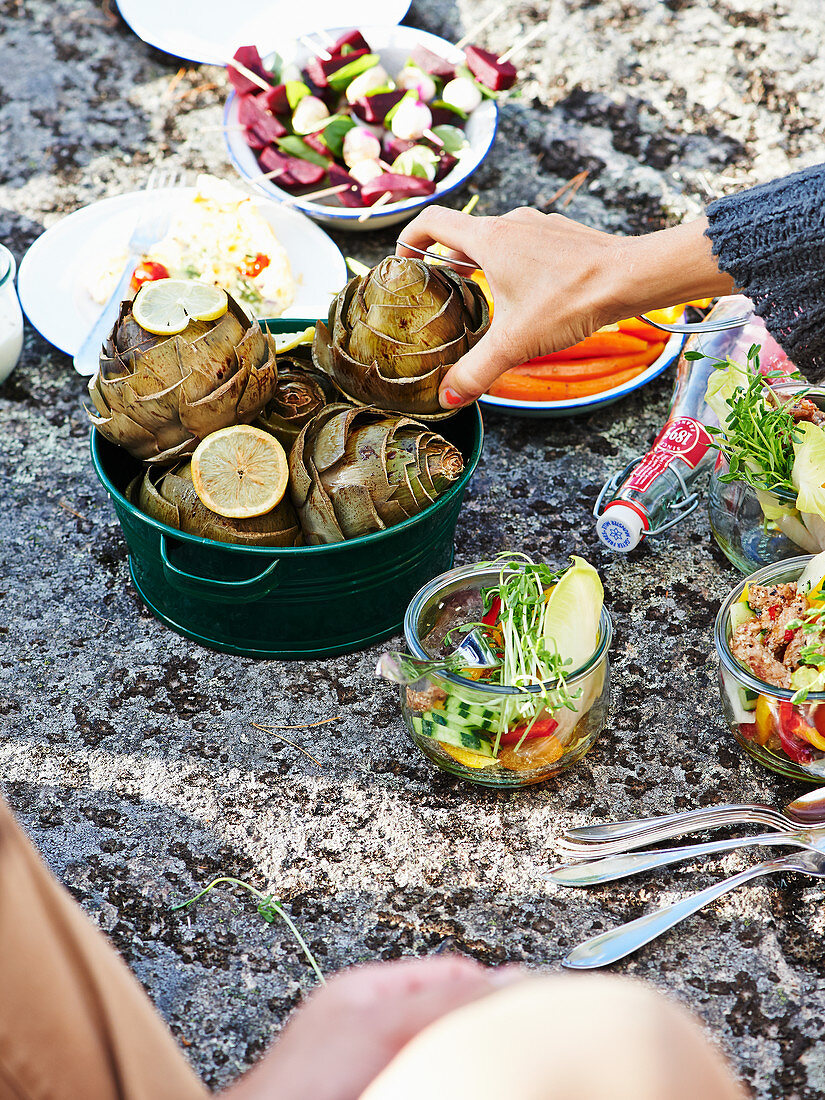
(467, 758)
(765, 724)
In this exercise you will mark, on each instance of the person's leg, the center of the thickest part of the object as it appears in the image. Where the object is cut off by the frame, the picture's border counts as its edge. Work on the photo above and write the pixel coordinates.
(565, 1037)
(74, 1023)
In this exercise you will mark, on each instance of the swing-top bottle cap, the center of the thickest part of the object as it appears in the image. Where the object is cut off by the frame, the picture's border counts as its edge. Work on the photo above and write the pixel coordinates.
(621, 528)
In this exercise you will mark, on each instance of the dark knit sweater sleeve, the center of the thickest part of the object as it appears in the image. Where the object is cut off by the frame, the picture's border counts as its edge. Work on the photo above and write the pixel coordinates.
(771, 240)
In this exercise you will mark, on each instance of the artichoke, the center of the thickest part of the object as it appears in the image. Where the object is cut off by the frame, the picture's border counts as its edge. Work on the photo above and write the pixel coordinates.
(353, 471)
(393, 333)
(300, 392)
(157, 396)
(169, 496)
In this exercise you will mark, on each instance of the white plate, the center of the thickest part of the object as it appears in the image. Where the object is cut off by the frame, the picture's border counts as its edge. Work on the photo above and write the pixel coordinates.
(209, 31)
(578, 405)
(53, 277)
(394, 44)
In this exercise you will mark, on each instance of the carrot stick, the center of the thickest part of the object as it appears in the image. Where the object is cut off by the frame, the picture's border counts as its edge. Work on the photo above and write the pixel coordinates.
(519, 387)
(574, 369)
(638, 328)
(599, 343)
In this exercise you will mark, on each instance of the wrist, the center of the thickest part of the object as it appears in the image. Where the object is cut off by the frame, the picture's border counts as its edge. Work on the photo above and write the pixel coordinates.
(664, 268)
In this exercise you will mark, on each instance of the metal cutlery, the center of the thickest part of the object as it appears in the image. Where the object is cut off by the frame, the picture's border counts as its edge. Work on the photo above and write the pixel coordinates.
(609, 947)
(473, 651)
(609, 868)
(152, 224)
(589, 841)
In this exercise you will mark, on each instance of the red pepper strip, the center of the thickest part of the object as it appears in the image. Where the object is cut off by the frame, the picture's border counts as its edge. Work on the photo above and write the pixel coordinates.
(544, 727)
(773, 612)
(491, 617)
(789, 727)
(796, 725)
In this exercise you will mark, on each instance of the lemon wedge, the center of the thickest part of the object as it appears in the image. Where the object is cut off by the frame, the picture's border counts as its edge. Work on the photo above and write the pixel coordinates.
(572, 613)
(288, 340)
(166, 306)
(240, 472)
(468, 758)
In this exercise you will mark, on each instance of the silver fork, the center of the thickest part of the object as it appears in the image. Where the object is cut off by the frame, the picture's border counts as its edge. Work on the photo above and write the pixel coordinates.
(152, 224)
(609, 947)
(590, 841)
(593, 872)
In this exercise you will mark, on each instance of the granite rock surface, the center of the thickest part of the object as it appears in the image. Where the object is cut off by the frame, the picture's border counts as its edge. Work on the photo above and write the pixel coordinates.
(130, 753)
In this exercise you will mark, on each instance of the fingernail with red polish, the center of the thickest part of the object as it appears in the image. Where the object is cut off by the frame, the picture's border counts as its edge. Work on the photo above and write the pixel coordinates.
(451, 399)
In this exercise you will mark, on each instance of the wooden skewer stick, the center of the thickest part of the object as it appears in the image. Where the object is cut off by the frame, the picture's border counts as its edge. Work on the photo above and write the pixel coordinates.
(385, 198)
(319, 51)
(322, 194)
(485, 22)
(242, 69)
(517, 47)
(434, 138)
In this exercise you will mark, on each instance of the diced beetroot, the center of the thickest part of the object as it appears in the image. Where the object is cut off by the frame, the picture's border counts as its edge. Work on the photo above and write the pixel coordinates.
(488, 70)
(254, 116)
(249, 57)
(393, 147)
(319, 70)
(294, 172)
(276, 100)
(373, 108)
(443, 116)
(431, 63)
(446, 163)
(400, 187)
(354, 39)
(314, 141)
(254, 141)
(337, 175)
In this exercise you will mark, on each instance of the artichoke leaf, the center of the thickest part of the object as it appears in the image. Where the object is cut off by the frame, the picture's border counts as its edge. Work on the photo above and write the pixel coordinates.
(355, 511)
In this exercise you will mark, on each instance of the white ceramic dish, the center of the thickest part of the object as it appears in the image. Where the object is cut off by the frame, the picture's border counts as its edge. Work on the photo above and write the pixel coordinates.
(394, 44)
(580, 405)
(53, 277)
(209, 31)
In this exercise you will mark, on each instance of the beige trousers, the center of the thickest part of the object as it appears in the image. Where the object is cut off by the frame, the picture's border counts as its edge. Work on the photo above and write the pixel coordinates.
(74, 1022)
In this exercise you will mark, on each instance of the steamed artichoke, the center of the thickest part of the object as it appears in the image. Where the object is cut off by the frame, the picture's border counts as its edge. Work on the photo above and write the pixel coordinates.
(355, 471)
(300, 392)
(169, 496)
(393, 333)
(157, 396)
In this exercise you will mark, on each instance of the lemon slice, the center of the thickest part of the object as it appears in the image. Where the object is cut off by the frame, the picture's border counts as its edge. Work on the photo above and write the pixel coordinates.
(240, 472)
(166, 306)
(468, 758)
(288, 340)
(571, 617)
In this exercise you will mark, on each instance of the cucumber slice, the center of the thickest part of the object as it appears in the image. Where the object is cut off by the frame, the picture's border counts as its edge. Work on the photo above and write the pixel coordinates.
(471, 721)
(740, 613)
(747, 699)
(459, 736)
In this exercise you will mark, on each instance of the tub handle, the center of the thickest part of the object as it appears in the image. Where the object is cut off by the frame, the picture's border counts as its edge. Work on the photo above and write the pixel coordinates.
(247, 591)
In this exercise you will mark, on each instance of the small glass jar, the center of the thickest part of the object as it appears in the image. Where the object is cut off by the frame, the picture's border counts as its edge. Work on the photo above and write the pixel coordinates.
(442, 710)
(761, 716)
(754, 527)
(11, 316)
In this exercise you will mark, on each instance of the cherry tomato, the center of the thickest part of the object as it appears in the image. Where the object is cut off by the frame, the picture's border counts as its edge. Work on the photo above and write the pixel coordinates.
(256, 266)
(147, 272)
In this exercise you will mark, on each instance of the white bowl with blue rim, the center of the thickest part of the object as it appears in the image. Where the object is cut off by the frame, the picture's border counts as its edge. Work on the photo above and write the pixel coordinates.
(578, 406)
(394, 46)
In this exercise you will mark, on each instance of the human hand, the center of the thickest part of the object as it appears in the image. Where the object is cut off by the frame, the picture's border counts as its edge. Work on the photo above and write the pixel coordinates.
(555, 281)
(350, 1030)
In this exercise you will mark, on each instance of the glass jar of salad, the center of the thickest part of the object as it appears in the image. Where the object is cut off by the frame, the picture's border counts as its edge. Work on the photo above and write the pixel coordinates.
(755, 527)
(496, 734)
(761, 641)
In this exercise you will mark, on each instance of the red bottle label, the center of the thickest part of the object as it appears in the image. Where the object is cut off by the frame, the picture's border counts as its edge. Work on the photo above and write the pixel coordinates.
(683, 438)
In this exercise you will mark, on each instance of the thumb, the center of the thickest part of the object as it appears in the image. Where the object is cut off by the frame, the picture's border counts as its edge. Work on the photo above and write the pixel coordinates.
(476, 371)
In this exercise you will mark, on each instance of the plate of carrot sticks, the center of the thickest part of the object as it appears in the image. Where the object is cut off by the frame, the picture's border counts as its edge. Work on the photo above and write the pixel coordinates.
(601, 369)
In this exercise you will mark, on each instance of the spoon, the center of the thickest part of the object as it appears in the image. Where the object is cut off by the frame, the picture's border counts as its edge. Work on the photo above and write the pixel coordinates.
(472, 652)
